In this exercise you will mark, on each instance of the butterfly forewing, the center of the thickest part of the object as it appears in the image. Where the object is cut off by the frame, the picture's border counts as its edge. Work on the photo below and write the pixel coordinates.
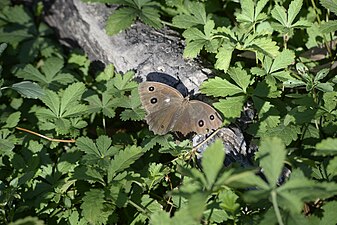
(161, 103)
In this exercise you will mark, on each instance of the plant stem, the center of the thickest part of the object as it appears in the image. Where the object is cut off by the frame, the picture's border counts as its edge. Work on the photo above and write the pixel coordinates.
(276, 209)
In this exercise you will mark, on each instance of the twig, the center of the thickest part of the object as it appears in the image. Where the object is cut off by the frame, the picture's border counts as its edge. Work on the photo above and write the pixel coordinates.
(45, 137)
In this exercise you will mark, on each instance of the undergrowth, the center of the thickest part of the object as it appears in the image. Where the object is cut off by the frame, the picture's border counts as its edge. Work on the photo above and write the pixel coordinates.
(110, 169)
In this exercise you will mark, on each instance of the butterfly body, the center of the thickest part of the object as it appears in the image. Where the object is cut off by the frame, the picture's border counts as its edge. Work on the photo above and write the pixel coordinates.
(167, 110)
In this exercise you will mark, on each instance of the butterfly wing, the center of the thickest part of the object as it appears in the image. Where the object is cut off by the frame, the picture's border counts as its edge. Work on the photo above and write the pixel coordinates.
(161, 103)
(198, 117)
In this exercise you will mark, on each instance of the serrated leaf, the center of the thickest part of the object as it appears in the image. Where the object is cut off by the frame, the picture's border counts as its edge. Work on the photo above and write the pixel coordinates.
(279, 13)
(286, 133)
(92, 207)
(272, 154)
(196, 16)
(6, 147)
(265, 45)
(151, 17)
(218, 87)
(302, 24)
(87, 145)
(213, 161)
(259, 7)
(283, 60)
(12, 120)
(328, 26)
(185, 21)
(294, 8)
(123, 159)
(326, 147)
(51, 67)
(29, 72)
(124, 82)
(329, 209)
(52, 101)
(330, 5)
(247, 11)
(240, 76)
(136, 114)
(224, 57)
(230, 107)
(332, 167)
(71, 95)
(120, 20)
(193, 48)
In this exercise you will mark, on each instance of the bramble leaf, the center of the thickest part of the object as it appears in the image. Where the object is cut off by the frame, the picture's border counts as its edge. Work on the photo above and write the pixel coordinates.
(123, 159)
(230, 107)
(120, 20)
(272, 154)
(326, 147)
(218, 87)
(213, 161)
(93, 207)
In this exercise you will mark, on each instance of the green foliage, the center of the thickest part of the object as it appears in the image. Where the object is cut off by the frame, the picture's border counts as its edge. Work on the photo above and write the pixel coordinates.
(118, 172)
(144, 10)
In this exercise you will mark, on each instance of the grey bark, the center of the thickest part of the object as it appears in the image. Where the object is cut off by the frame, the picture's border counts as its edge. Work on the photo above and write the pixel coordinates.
(140, 48)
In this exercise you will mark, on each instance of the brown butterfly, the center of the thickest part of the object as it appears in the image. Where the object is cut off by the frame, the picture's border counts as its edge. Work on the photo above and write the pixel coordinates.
(167, 110)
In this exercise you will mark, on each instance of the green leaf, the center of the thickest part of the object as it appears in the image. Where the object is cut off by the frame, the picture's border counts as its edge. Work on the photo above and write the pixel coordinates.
(294, 8)
(123, 82)
(224, 57)
(29, 72)
(240, 76)
(12, 120)
(193, 48)
(325, 87)
(151, 17)
(329, 209)
(279, 13)
(330, 5)
(228, 200)
(286, 133)
(230, 107)
(264, 45)
(196, 16)
(283, 60)
(272, 155)
(51, 67)
(52, 101)
(120, 20)
(28, 220)
(196, 205)
(321, 74)
(28, 89)
(218, 87)
(332, 167)
(92, 207)
(86, 145)
(247, 11)
(136, 114)
(330, 101)
(213, 161)
(328, 26)
(123, 159)
(326, 147)
(71, 95)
